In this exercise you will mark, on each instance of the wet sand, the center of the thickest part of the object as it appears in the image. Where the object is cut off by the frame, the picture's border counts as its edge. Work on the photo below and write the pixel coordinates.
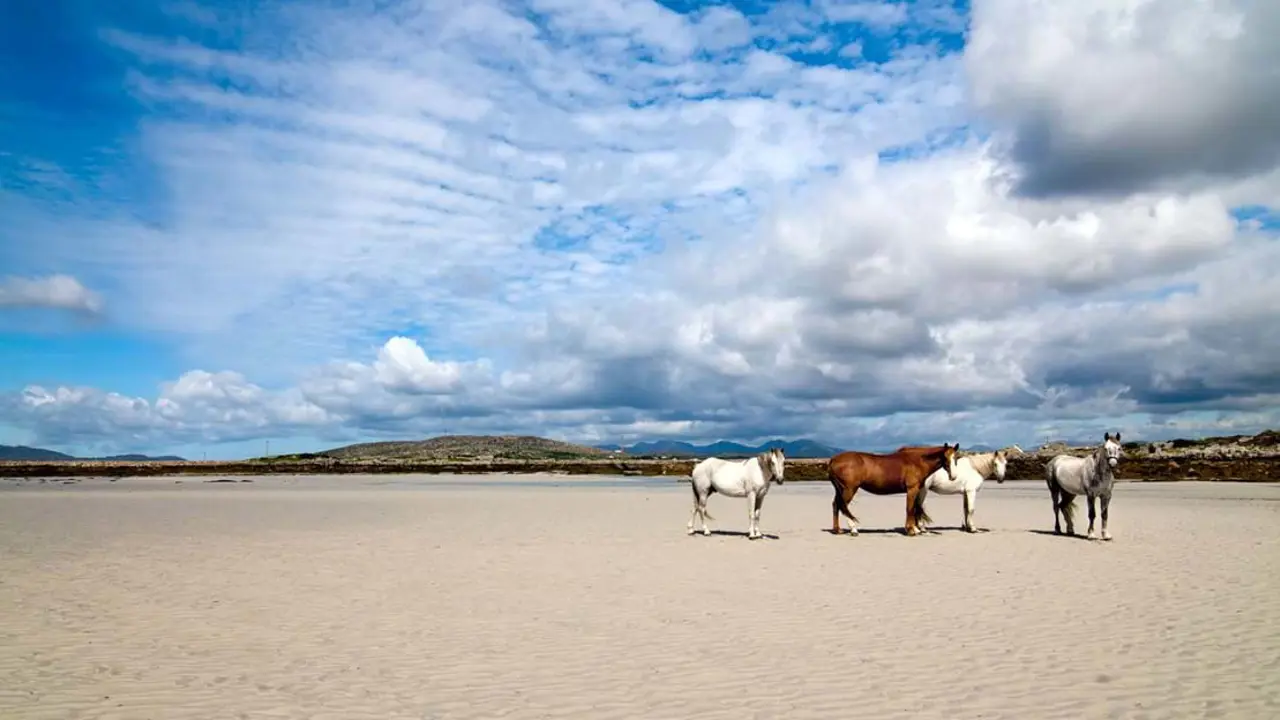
(437, 597)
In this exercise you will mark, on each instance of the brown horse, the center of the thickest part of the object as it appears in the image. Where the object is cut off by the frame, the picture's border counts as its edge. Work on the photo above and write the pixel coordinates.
(901, 471)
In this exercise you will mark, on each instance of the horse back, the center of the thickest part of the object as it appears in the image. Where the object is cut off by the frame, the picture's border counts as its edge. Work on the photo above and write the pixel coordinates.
(877, 474)
(1069, 472)
(726, 477)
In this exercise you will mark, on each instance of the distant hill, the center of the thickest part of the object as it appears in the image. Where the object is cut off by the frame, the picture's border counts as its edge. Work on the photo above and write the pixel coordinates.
(22, 452)
(136, 457)
(30, 454)
(463, 447)
(724, 448)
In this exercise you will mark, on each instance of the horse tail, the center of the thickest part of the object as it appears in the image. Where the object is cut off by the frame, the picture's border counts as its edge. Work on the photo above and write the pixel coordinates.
(1051, 479)
(1069, 510)
(840, 504)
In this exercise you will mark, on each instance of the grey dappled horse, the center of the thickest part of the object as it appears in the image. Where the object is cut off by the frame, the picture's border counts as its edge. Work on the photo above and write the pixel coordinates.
(1091, 476)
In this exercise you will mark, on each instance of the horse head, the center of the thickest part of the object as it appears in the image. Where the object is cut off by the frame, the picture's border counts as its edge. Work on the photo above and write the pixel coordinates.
(1001, 463)
(949, 459)
(1112, 449)
(777, 461)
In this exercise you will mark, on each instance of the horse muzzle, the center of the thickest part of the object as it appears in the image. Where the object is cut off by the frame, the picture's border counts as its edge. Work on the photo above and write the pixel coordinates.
(1113, 462)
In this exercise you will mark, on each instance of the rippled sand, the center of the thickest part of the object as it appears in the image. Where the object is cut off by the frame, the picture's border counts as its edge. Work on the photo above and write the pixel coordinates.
(385, 598)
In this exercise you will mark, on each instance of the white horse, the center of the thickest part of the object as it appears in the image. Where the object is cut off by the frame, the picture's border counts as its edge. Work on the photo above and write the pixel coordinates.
(971, 472)
(1092, 476)
(735, 478)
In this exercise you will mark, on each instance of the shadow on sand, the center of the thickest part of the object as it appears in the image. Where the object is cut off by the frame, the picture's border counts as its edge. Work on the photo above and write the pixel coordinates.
(933, 530)
(1051, 533)
(737, 533)
(868, 531)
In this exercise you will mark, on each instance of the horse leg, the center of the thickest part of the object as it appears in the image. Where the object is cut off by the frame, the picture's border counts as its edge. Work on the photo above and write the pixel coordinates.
(1092, 511)
(755, 515)
(697, 513)
(844, 497)
(703, 515)
(837, 491)
(969, 497)
(922, 515)
(752, 531)
(1057, 502)
(1105, 498)
(1068, 511)
(840, 504)
(923, 521)
(910, 525)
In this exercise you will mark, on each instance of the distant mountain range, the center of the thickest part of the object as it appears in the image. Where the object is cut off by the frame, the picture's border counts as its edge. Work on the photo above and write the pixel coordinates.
(30, 454)
(724, 448)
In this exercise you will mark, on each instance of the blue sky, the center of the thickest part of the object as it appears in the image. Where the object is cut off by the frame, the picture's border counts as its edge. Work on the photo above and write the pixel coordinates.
(607, 221)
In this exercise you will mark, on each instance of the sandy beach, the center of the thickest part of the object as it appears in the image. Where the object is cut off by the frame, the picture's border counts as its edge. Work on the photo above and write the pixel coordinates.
(415, 597)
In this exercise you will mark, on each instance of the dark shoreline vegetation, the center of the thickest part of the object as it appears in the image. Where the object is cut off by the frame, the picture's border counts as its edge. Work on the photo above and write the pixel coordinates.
(1262, 469)
(1236, 458)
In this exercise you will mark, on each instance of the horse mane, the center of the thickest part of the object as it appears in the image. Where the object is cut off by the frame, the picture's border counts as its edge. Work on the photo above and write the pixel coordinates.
(920, 450)
(766, 467)
(983, 463)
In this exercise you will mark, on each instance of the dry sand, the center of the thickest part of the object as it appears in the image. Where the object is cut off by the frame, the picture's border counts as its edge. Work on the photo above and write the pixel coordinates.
(377, 597)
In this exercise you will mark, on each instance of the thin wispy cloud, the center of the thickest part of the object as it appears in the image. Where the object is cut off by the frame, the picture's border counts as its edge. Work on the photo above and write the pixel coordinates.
(592, 219)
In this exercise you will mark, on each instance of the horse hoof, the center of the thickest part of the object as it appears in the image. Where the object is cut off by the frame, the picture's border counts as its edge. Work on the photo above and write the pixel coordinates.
(706, 532)
(1106, 536)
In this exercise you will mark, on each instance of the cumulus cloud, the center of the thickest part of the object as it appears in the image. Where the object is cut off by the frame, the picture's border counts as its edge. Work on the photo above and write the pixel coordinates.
(61, 292)
(926, 286)
(199, 406)
(605, 222)
(1107, 96)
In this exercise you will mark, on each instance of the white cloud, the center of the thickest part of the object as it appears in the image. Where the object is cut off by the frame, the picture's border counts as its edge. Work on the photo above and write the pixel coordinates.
(387, 166)
(875, 14)
(61, 292)
(1117, 95)
(613, 220)
(198, 406)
